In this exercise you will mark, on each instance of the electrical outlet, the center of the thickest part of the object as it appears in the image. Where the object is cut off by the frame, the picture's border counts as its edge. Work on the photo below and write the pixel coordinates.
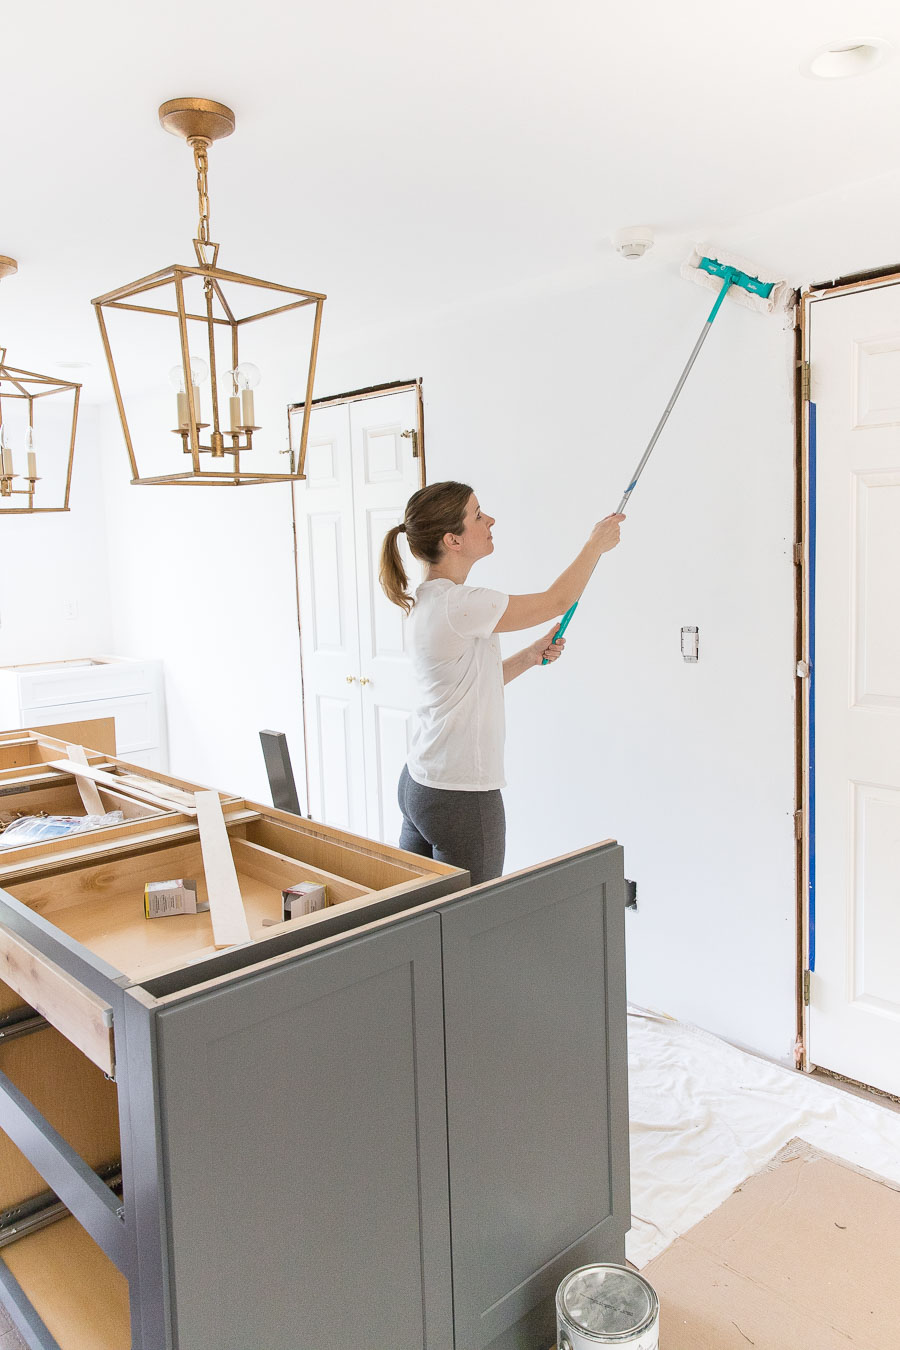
(70, 607)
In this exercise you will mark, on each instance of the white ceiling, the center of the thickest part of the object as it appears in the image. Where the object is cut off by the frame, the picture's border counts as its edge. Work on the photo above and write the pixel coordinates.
(405, 155)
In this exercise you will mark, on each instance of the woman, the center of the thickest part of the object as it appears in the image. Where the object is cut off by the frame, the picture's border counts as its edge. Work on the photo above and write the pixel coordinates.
(450, 786)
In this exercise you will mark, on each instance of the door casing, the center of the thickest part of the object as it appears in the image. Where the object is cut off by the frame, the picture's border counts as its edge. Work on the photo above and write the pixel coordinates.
(805, 701)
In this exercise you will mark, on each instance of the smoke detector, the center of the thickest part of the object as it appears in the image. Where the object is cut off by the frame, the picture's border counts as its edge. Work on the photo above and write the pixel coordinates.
(634, 241)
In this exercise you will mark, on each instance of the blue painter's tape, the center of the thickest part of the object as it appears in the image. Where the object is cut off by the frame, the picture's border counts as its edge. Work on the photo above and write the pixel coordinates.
(812, 686)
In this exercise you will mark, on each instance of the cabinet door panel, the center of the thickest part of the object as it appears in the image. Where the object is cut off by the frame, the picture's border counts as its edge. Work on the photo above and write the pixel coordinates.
(304, 1132)
(534, 997)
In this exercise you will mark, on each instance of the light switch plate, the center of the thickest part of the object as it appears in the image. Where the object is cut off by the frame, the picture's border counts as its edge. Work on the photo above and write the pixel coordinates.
(690, 642)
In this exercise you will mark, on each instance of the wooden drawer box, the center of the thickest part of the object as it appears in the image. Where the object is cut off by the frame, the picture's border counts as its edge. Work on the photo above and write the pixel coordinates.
(314, 1137)
(57, 795)
(32, 783)
(99, 902)
(20, 749)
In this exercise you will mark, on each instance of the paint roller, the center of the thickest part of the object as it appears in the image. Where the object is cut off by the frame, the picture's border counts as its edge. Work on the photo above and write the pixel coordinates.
(728, 275)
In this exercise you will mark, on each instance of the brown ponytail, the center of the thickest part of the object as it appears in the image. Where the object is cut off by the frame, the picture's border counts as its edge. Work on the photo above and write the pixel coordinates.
(431, 513)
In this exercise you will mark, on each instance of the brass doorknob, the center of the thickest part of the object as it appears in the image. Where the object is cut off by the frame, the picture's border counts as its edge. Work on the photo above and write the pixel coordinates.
(364, 680)
(351, 679)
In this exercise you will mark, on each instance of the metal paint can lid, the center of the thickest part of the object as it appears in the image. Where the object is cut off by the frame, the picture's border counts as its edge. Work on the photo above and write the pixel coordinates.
(608, 1304)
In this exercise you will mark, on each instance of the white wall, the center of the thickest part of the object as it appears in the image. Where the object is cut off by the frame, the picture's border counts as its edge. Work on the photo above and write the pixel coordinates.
(204, 579)
(544, 405)
(54, 591)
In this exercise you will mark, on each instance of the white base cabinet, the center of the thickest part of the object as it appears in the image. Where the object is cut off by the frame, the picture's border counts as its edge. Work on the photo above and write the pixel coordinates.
(131, 691)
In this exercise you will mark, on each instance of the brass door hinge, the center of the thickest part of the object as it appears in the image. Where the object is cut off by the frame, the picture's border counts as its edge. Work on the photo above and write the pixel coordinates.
(806, 981)
(798, 824)
(798, 554)
(805, 379)
(412, 435)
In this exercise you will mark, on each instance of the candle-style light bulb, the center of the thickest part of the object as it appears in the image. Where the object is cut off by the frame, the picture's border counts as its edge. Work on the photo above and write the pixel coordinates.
(246, 377)
(199, 372)
(5, 452)
(29, 450)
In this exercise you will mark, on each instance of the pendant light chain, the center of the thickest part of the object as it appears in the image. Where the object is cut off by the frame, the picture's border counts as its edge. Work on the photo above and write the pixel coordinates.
(201, 162)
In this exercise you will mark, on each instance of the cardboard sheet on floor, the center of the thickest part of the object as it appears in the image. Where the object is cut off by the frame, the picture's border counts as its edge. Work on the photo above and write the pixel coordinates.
(802, 1256)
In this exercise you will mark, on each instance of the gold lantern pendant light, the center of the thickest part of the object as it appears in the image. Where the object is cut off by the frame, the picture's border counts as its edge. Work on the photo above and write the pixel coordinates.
(28, 386)
(228, 302)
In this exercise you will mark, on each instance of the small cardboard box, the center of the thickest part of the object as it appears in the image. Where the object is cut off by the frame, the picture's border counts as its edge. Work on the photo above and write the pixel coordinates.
(304, 898)
(162, 898)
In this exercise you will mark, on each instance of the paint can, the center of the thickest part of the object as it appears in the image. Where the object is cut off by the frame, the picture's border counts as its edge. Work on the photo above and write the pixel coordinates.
(606, 1305)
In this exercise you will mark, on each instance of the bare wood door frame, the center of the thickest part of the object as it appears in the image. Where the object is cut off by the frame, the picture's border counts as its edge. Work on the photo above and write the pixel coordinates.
(804, 557)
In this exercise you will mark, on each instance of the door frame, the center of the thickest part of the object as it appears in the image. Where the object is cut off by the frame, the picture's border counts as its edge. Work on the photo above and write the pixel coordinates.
(805, 567)
(329, 400)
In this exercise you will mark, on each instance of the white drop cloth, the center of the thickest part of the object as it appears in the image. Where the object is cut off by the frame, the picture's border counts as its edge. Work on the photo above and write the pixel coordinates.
(704, 1116)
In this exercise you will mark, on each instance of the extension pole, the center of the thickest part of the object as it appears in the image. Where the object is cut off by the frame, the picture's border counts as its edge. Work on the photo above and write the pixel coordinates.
(728, 278)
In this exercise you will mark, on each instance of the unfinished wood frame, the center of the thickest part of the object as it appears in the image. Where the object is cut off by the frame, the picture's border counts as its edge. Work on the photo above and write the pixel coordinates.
(79, 1014)
(373, 391)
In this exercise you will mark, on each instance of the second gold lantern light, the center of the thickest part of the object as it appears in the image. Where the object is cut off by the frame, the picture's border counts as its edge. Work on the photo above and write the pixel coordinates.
(212, 409)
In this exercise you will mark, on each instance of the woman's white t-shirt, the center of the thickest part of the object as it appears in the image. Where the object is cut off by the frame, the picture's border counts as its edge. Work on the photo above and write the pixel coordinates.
(458, 723)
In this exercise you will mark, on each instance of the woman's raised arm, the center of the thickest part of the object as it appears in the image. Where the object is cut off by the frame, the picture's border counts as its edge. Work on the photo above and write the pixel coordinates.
(525, 611)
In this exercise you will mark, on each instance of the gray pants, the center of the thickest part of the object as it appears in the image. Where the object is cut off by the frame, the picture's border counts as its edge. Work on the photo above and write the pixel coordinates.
(464, 829)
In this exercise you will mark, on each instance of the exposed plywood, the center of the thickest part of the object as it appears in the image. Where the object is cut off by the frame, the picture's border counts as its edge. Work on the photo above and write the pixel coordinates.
(84, 1017)
(369, 868)
(9, 1000)
(75, 1288)
(103, 906)
(264, 865)
(15, 754)
(71, 1093)
(63, 799)
(135, 834)
(96, 733)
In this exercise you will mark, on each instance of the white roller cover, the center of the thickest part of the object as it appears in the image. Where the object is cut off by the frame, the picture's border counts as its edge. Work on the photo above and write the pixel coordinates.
(779, 297)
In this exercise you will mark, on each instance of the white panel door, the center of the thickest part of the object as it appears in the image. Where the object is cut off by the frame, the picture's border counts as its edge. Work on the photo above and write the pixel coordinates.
(386, 474)
(854, 1015)
(329, 628)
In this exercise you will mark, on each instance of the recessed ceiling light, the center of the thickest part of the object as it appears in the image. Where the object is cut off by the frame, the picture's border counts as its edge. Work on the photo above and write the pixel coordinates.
(73, 365)
(841, 60)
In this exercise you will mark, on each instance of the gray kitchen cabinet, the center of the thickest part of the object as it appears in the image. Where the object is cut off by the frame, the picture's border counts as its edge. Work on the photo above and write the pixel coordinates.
(537, 1092)
(395, 1124)
(311, 1095)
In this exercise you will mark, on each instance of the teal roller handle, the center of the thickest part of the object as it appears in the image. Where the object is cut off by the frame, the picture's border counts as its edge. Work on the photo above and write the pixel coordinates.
(730, 276)
(563, 625)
